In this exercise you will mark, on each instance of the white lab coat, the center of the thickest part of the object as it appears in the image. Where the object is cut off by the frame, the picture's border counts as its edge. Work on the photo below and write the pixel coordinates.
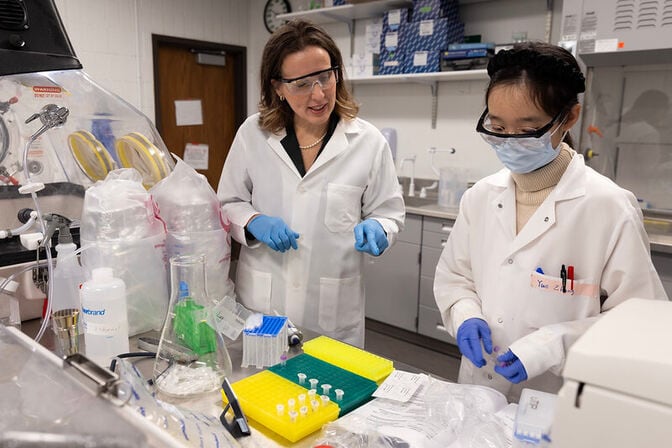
(487, 271)
(319, 286)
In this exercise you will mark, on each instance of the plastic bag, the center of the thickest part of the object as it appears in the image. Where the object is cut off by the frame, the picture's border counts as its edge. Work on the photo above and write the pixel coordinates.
(190, 208)
(192, 428)
(120, 230)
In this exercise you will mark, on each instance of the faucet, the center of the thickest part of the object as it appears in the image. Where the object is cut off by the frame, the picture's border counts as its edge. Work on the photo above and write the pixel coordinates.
(411, 185)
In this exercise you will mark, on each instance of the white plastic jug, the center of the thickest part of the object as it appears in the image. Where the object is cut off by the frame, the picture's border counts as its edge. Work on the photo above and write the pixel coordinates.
(452, 184)
(105, 319)
(390, 135)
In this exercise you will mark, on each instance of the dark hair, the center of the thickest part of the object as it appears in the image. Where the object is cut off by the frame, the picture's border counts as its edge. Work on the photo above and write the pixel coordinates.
(290, 38)
(550, 72)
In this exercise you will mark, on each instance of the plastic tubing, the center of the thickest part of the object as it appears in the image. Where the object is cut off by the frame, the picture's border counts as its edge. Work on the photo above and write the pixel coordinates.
(21, 229)
(33, 265)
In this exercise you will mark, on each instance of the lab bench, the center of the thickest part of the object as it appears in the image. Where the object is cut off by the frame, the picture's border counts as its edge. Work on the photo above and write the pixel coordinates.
(211, 404)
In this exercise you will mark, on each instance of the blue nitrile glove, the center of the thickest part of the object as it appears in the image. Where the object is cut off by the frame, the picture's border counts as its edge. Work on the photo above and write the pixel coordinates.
(370, 237)
(273, 232)
(510, 367)
(469, 337)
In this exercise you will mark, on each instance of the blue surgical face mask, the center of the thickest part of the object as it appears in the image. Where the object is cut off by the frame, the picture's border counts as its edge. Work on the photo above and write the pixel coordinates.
(523, 154)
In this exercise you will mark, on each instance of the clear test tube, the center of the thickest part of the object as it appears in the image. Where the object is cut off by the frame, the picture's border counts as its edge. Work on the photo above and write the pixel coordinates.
(313, 383)
(302, 399)
(325, 400)
(291, 404)
(303, 410)
(302, 378)
(315, 404)
(339, 394)
(292, 416)
(280, 409)
(312, 393)
(326, 388)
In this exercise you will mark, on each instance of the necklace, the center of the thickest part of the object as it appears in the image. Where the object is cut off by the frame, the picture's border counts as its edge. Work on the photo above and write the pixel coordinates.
(315, 143)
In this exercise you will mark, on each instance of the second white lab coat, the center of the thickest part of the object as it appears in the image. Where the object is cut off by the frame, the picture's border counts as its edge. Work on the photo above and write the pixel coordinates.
(489, 272)
(319, 286)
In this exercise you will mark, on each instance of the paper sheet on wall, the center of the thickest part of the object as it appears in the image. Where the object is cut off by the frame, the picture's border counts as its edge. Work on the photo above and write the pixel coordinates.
(188, 112)
(196, 155)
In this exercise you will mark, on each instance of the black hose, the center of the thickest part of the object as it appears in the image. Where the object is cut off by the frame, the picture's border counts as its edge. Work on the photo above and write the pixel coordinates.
(113, 364)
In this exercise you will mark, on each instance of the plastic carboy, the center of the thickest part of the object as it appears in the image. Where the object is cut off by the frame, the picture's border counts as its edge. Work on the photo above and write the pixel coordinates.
(192, 358)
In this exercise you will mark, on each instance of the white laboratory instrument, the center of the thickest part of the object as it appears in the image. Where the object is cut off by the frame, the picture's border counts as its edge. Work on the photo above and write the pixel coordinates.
(617, 389)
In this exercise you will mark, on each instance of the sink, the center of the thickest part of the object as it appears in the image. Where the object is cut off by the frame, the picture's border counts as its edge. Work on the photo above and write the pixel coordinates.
(415, 201)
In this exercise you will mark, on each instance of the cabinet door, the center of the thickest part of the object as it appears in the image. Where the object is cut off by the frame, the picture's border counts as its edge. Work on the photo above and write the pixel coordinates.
(663, 264)
(392, 280)
(430, 324)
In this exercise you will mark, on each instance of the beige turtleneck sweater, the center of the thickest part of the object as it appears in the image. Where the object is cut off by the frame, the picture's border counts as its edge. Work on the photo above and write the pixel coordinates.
(533, 188)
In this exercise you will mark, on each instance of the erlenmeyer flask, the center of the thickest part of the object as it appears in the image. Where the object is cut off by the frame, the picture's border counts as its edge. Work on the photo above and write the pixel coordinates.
(192, 358)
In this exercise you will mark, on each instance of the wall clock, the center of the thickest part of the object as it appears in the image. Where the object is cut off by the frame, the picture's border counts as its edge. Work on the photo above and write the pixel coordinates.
(271, 11)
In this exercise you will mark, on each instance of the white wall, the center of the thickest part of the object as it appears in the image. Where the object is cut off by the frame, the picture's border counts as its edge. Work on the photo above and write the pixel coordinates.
(112, 38)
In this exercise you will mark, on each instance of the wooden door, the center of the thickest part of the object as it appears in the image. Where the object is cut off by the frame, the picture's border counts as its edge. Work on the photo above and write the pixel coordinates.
(220, 91)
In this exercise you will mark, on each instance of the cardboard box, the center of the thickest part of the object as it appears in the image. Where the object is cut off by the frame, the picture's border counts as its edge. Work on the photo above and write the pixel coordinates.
(435, 9)
(422, 61)
(391, 40)
(364, 64)
(391, 62)
(394, 19)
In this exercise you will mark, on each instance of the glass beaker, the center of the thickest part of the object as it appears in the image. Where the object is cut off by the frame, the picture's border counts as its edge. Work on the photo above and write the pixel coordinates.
(192, 358)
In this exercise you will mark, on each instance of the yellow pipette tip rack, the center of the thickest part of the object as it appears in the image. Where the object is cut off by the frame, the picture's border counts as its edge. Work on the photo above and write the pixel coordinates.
(347, 357)
(260, 394)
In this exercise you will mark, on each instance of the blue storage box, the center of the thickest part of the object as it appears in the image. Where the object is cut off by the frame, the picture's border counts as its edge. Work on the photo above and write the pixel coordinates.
(391, 62)
(394, 19)
(426, 35)
(422, 61)
(435, 9)
(392, 40)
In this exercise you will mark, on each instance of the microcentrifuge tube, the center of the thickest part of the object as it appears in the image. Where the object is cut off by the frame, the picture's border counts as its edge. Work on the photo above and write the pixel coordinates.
(302, 378)
(325, 399)
(291, 403)
(339, 394)
(314, 404)
(302, 399)
(312, 393)
(303, 410)
(280, 408)
(313, 383)
(293, 415)
(326, 388)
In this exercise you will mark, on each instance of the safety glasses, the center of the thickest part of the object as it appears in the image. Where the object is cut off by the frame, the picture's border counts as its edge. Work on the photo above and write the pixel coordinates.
(486, 127)
(303, 85)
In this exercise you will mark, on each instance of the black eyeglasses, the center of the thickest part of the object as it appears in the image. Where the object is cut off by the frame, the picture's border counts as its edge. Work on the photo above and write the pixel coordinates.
(485, 127)
(303, 85)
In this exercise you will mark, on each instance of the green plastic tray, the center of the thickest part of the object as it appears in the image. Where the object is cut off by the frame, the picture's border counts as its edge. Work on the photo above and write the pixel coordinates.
(357, 389)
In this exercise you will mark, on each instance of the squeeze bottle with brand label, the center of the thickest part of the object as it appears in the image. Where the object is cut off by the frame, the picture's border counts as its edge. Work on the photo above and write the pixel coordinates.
(65, 304)
(104, 315)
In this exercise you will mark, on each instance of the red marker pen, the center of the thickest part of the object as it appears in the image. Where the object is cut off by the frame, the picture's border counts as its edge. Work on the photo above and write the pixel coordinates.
(570, 276)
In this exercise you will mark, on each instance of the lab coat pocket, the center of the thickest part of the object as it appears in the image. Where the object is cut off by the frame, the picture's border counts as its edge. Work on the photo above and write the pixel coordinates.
(254, 288)
(343, 207)
(573, 288)
(341, 303)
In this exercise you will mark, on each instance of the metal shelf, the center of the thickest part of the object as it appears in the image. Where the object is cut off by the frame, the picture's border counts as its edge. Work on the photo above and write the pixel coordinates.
(347, 13)
(423, 78)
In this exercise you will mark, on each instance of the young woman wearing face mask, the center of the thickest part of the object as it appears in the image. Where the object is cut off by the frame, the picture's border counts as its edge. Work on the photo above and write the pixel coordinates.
(543, 247)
